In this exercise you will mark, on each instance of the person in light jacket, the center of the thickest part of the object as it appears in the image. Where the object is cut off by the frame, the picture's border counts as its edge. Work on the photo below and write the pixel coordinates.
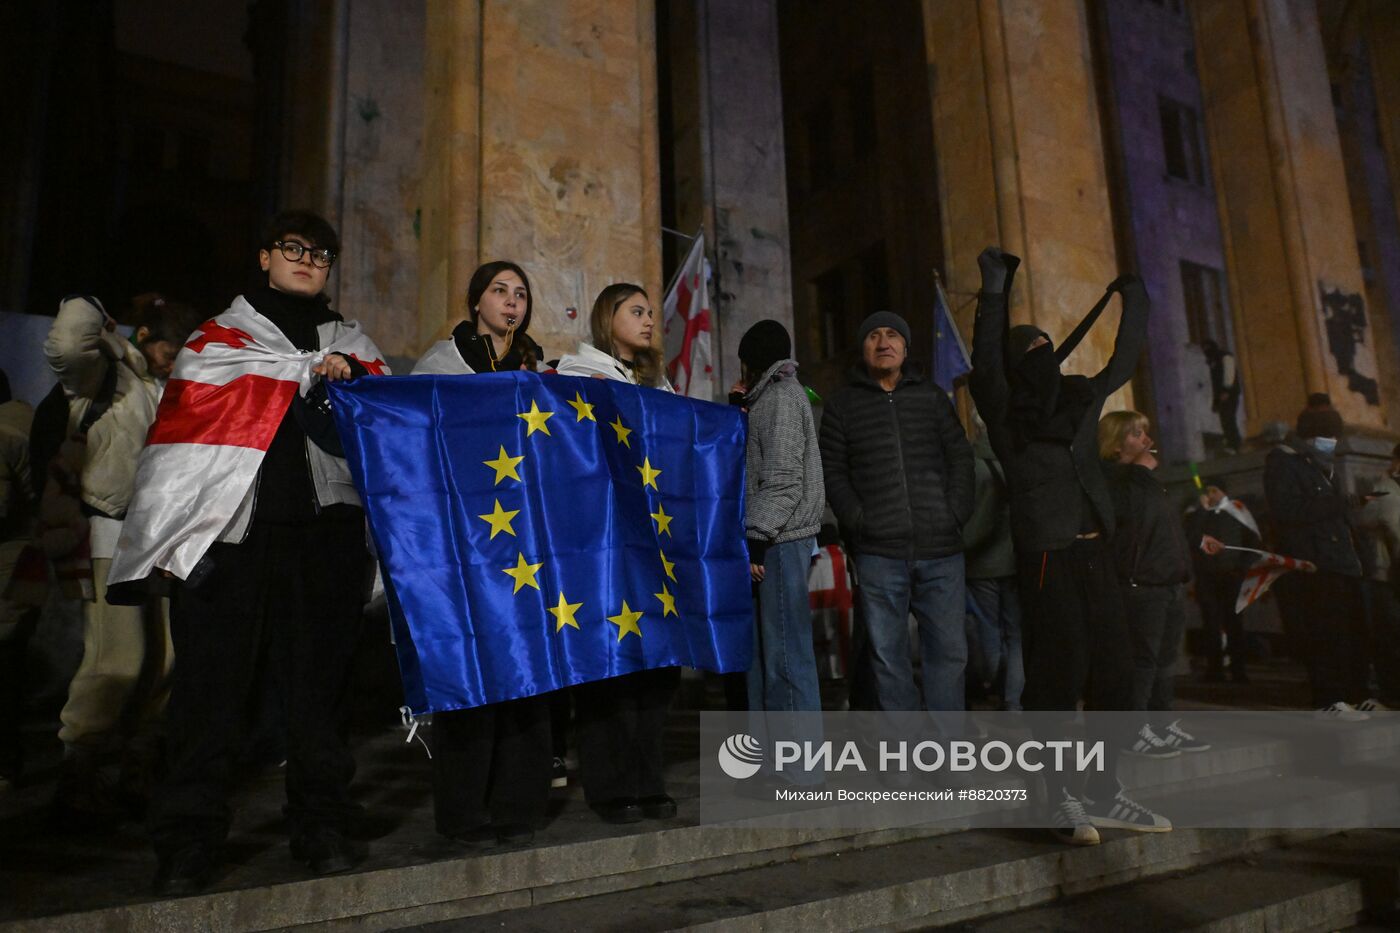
(621, 720)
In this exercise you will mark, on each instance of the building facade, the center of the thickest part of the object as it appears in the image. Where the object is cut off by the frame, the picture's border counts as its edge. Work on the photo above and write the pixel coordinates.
(1241, 155)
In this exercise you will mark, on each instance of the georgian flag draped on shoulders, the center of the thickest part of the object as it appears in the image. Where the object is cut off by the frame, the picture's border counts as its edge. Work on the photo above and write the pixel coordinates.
(232, 384)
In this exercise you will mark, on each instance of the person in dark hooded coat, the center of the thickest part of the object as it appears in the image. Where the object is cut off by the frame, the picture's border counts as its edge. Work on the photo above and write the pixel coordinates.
(1043, 427)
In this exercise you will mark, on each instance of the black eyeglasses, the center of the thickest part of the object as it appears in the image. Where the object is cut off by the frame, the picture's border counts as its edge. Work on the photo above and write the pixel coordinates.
(292, 251)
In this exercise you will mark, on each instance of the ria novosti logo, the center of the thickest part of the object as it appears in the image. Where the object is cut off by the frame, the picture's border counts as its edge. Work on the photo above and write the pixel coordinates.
(740, 756)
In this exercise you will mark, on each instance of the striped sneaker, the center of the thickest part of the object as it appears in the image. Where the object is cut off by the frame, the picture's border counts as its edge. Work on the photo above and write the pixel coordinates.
(1372, 706)
(1343, 712)
(1183, 741)
(1071, 824)
(1149, 744)
(1123, 813)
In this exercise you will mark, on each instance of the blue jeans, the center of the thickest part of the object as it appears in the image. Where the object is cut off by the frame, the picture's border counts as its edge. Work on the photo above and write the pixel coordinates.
(933, 590)
(783, 675)
(994, 636)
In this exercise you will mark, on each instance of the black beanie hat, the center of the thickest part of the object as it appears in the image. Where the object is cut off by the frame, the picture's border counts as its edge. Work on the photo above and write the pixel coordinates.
(1324, 422)
(764, 344)
(883, 319)
(1019, 340)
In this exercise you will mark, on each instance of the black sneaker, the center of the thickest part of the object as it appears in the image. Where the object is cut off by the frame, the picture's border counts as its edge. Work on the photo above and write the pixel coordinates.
(659, 807)
(185, 872)
(1183, 741)
(1071, 824)
(1123, 813)
(560, 775)
(1148, 744)
(477, 840)
(619, 810)
(514, 836)
(327, 852)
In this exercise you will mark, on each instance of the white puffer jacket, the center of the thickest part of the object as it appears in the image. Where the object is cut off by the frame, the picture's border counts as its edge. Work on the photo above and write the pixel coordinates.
(80, 349)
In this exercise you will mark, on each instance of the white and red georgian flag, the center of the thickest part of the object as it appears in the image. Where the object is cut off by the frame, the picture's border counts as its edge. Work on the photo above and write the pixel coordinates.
(688, 327)
(1268, 568)
(230, 389)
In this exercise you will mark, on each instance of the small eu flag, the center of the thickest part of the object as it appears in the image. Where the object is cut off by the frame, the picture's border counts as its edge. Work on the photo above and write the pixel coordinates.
(950, 359)
(541, 531)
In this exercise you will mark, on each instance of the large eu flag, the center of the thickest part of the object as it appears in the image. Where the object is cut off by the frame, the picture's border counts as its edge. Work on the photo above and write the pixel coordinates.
(540, 531)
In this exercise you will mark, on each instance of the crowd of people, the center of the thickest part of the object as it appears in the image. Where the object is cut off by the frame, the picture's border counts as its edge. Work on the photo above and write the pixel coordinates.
(1043, 563)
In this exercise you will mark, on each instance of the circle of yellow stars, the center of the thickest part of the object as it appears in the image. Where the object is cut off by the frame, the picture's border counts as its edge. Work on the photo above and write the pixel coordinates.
(526, 574)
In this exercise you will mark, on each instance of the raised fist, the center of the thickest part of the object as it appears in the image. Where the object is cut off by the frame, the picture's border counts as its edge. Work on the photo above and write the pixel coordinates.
(992, 262)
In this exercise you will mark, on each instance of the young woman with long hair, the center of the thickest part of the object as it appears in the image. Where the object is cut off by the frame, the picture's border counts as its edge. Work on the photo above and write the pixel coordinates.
(491, 764)
(621, 720)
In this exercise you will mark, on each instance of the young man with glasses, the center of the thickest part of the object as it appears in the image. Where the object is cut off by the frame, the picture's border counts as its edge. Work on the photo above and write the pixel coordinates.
(245, 500)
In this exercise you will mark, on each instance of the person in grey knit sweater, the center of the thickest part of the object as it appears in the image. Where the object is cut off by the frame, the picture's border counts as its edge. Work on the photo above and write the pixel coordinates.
(785, 500)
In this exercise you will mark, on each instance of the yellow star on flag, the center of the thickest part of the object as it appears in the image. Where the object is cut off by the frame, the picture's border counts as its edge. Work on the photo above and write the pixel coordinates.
(536, 419)
(499, 520)
(663, 521)
(622, 432)
(584, 409)
(523, 574)
(668, 566)
(626, 622)
(649, 474)
(505, 465)
(668, 602)
(564, 613)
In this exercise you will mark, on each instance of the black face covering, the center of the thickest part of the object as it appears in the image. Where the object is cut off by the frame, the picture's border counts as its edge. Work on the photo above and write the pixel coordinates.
(1035, 387)
(1046, 406)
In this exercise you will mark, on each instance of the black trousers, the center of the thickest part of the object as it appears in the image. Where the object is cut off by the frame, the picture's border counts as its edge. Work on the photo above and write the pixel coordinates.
(1076, 644)
(491, 765)
(285, 603)
(13, 684)
(1335, 635)
(1155, 620)
(1384, 651)
(1217, 596)
(621, 725)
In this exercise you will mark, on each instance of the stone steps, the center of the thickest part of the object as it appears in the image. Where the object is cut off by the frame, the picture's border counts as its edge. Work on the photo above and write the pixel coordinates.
(1326, 884)
(677, 873)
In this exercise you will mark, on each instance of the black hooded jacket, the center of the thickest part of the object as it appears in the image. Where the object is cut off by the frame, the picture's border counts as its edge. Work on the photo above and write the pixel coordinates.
(1052, 470)
(897, 467)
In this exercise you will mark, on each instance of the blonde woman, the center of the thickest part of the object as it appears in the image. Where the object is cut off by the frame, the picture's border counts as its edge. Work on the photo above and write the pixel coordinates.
(621, 720)
(1154, 563)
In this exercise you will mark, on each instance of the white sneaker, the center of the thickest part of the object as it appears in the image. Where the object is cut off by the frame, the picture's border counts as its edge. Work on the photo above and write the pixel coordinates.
(1183, 741)
(1372, 706)
(1149, 744)
(1071, 824)
(1124, 813)
(1343, 712)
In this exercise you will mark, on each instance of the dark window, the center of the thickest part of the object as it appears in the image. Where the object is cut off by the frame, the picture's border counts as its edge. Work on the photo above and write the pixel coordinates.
(193, 154)
(1207, 308)
(821, 156)
(862, 103)
(1181, 140)
(831, 303)
(875, 279)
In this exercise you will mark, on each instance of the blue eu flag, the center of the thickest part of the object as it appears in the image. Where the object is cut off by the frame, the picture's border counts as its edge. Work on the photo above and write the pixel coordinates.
(950, 359)
(540, 531)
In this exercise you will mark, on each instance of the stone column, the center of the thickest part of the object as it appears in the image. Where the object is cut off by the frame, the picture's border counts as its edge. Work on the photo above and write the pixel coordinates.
(1382, 32)
(1290, 241)
(382, 161)
(539, 146)
(1021, 162)
(730, 167)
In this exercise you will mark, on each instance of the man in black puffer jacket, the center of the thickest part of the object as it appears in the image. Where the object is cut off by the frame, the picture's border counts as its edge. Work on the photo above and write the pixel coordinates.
(898, 472)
